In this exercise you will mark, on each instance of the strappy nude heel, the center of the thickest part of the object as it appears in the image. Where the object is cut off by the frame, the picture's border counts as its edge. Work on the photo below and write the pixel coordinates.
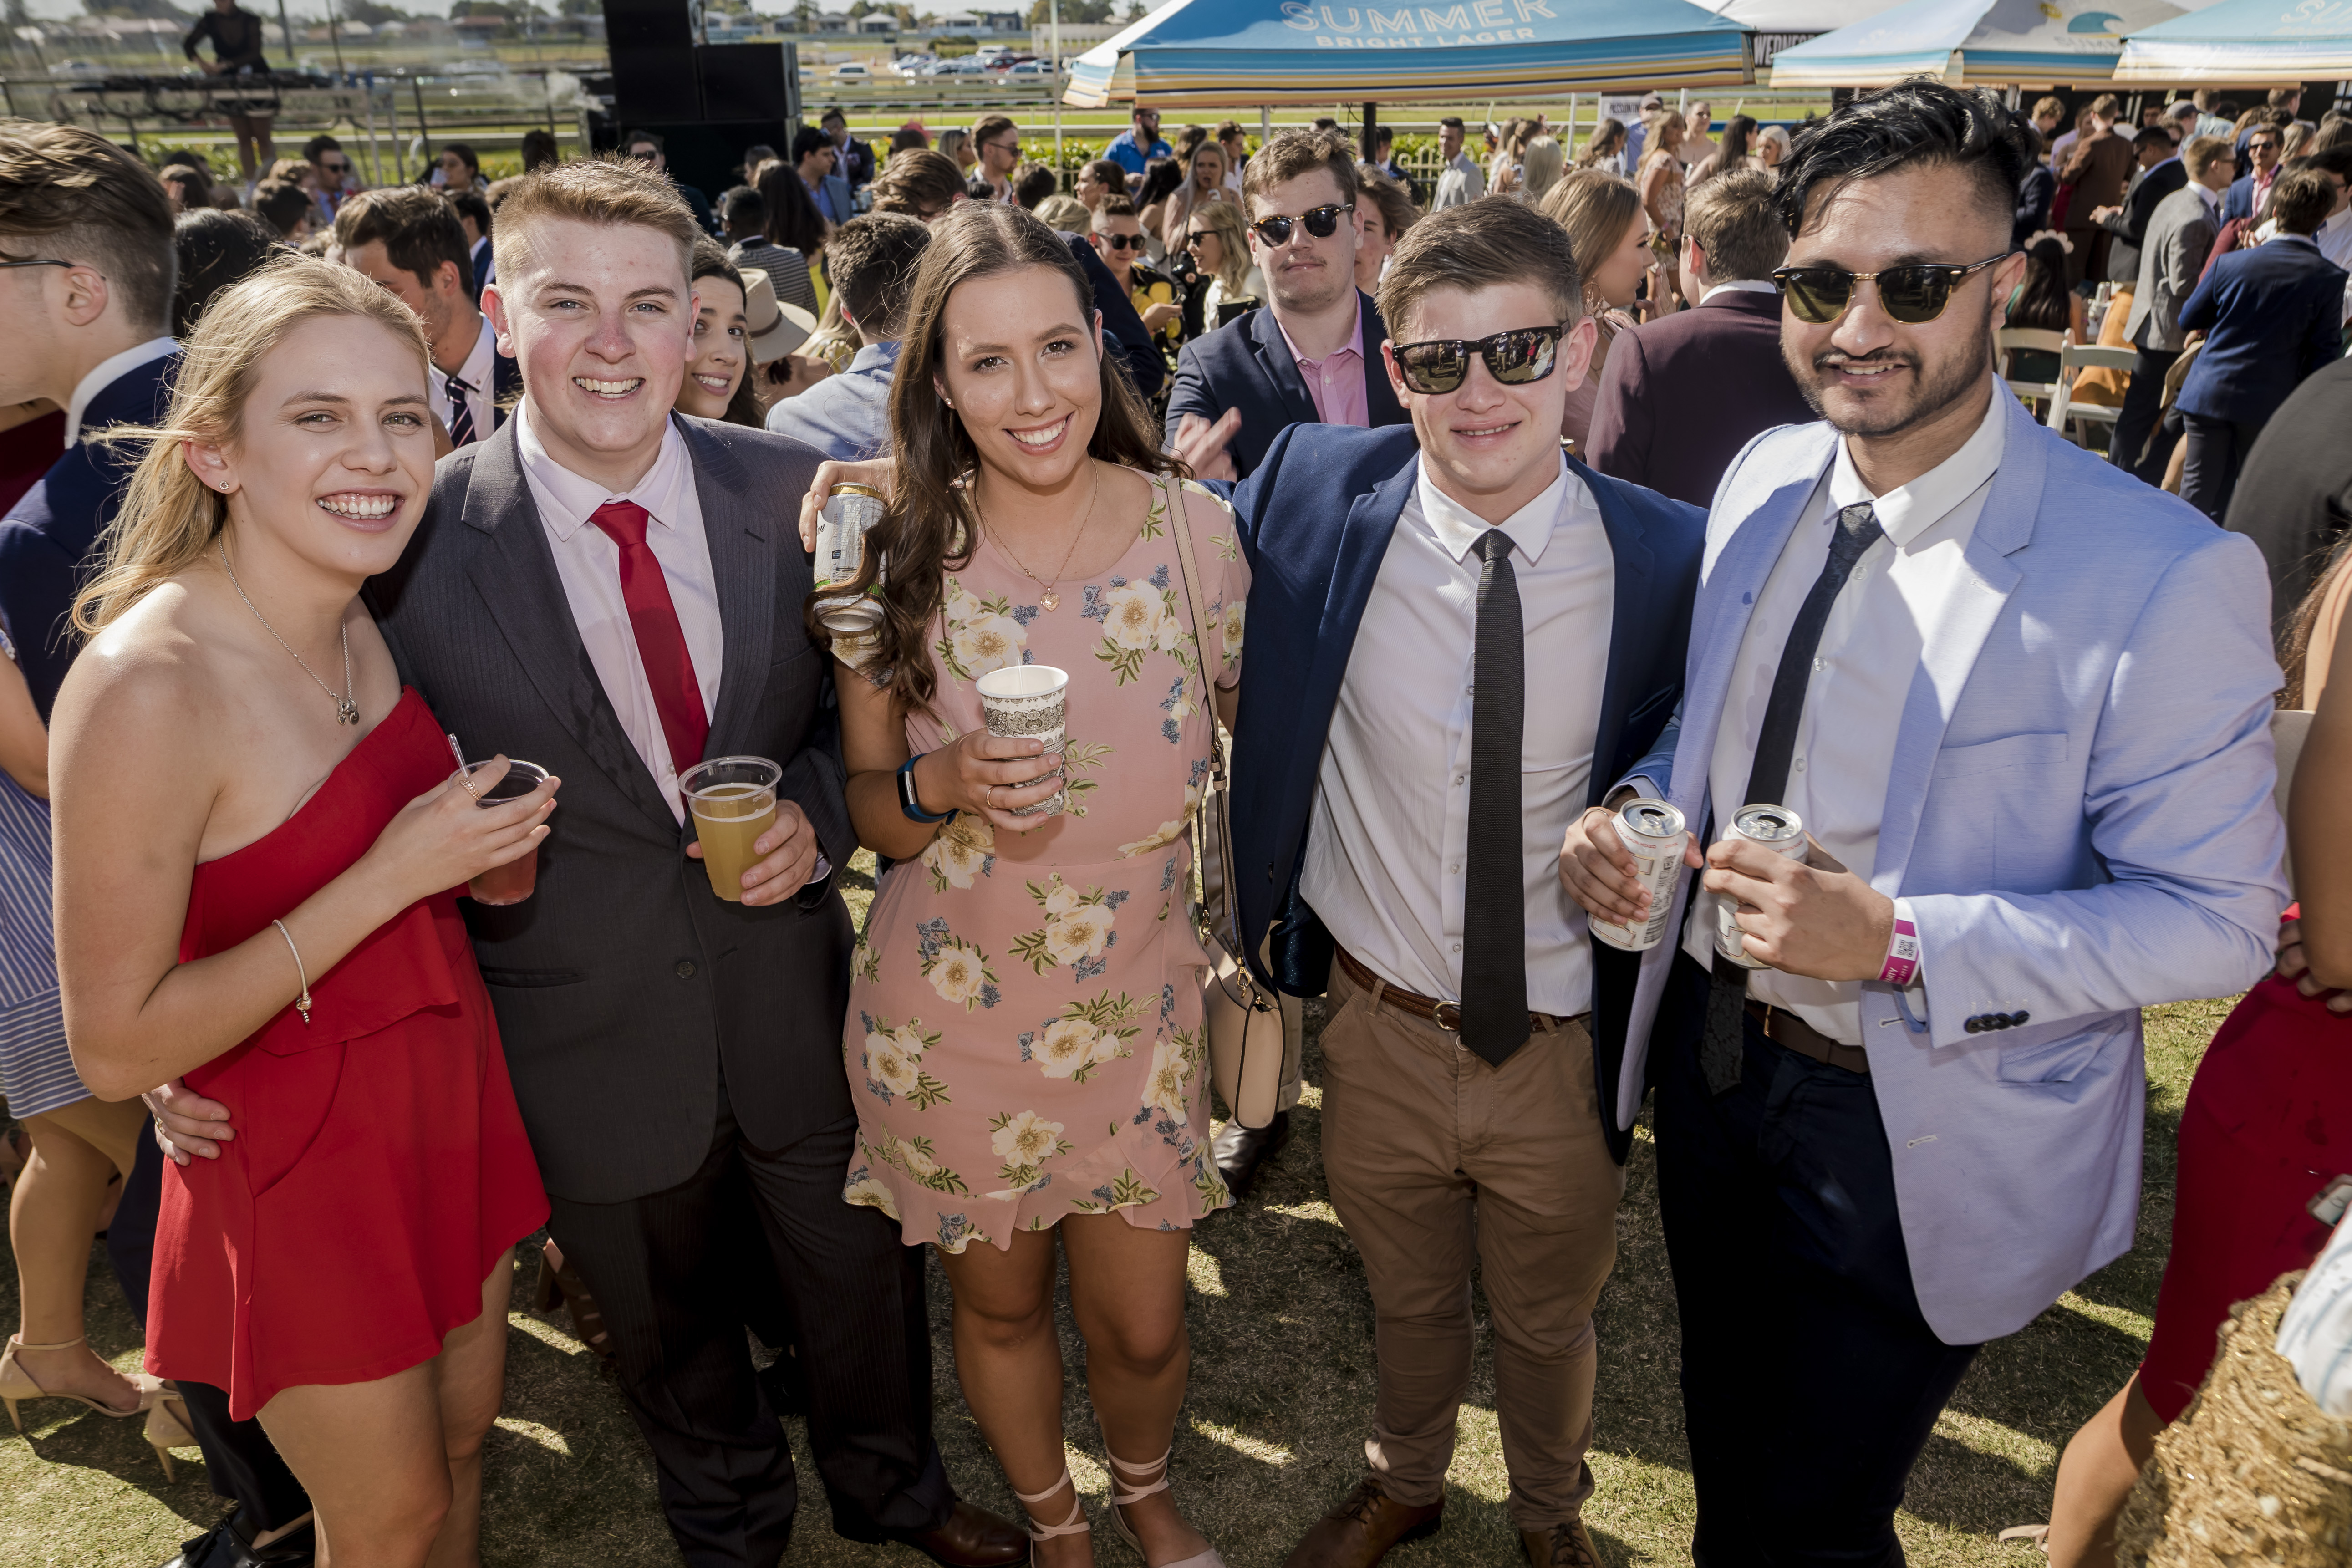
(1076, 1524)
(166, 1429)
(1133, 1483)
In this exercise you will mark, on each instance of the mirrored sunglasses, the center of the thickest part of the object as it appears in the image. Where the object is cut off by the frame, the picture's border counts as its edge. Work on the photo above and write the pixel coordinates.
(1513, 358)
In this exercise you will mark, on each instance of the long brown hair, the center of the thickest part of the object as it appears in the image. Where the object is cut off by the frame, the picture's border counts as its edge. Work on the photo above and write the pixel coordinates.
(931, 525)
(2294, 647)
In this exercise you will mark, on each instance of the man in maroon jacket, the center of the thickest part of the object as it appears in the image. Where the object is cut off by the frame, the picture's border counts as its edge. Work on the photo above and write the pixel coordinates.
(1681, 396)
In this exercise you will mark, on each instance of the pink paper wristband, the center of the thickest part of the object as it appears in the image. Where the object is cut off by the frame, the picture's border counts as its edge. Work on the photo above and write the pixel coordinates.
(1902, 955)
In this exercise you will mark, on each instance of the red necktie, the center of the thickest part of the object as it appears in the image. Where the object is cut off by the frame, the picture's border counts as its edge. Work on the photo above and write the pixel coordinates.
(661, 644)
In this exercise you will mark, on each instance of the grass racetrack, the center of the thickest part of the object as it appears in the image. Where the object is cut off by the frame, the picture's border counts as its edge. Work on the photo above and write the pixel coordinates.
(1281, 1399)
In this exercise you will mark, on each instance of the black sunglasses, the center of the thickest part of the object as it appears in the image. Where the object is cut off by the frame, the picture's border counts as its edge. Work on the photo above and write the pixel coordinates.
(1911, 294)
(38, 261)
(1122, 241)
(1514, 358)
(1322, 222)
(1192, 240)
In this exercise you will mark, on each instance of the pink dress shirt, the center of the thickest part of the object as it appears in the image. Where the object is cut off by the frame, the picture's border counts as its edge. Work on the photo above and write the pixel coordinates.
(1335, 382)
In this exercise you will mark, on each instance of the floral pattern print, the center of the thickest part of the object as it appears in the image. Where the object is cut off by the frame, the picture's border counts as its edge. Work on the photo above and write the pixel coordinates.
(1028, 1040)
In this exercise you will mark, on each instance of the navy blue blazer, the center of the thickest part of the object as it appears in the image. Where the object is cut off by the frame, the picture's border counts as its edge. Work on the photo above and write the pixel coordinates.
(506, 387)
(2238, 201)
(1315, 518)
(2271, 316)
(47, 540)
(1246, 364)
(1145, 367)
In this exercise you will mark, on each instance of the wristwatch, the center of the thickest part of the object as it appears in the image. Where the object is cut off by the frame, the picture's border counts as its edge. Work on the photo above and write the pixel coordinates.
(909, 804)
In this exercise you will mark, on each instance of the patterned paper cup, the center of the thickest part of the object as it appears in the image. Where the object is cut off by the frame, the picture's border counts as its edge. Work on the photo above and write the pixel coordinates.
(1029, 702)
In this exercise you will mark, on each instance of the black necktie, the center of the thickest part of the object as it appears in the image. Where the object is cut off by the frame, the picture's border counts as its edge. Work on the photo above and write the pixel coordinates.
(1494, 914)
(1768, 778)
(461, 414)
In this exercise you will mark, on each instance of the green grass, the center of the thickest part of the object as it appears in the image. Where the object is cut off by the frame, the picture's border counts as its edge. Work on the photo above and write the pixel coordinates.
(1283, 1380)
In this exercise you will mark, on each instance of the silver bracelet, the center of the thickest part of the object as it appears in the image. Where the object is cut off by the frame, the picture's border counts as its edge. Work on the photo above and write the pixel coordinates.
(301, 1002)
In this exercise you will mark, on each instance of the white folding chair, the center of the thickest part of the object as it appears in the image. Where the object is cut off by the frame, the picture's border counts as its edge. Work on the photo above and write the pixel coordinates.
(2073, 357)
(2007, 341)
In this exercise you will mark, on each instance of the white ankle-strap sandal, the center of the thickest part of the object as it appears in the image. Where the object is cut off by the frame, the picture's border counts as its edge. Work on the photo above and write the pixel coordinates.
(1076, 1524)
(1133, 1483)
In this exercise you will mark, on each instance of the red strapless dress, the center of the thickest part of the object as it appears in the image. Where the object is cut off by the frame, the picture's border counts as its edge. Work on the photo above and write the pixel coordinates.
(380, 1166)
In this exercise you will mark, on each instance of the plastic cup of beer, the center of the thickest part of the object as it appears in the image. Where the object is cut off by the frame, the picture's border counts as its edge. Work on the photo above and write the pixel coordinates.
(1029, 702)
(514, 882)
(733, 801)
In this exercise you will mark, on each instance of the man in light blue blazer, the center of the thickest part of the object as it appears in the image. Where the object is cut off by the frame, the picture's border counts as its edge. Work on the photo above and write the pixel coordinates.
(2019, 703)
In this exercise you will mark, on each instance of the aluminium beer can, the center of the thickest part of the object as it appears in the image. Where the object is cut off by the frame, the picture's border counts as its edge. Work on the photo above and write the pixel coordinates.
(1777, 829)
(1653, 833)
(849, 511)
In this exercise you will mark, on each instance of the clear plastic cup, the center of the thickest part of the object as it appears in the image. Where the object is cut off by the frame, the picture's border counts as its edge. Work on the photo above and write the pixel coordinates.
(519, 878)
(732, 801)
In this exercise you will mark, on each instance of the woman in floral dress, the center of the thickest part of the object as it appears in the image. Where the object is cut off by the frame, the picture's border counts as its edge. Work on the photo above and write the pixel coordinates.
(1026, 1033)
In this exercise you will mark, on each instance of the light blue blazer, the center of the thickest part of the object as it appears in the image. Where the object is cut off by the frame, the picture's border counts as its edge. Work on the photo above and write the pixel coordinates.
(2080, 813)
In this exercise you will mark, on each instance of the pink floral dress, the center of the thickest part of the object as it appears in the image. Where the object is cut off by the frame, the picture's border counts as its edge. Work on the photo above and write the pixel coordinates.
(1024, 1037)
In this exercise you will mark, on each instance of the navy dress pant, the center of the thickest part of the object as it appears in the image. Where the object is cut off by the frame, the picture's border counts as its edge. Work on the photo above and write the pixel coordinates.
(1811, 1382)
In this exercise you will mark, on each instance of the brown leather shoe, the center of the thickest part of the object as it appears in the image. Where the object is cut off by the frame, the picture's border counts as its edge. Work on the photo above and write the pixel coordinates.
(1359, 1531)
(1561, 1546)
(971, 1538)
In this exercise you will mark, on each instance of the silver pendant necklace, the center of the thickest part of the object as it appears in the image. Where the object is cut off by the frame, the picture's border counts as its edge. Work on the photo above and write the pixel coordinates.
(347, 711)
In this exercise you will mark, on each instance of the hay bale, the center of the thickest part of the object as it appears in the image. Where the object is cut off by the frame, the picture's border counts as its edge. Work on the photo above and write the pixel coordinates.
(2252, 1473)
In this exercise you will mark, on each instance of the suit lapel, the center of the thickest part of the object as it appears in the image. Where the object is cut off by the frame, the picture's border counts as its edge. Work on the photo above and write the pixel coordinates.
(1363, 544)
(1729, 582)
(743, 562)
(1274, 358)
(515, 575)
(1381, 406)
(1977, 600)
(1632, 619)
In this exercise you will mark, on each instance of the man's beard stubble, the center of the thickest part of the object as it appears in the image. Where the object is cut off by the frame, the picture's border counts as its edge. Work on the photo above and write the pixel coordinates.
(1939, 386)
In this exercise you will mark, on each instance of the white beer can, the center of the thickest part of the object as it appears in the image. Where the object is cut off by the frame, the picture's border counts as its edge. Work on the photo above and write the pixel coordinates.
(849, 511)
(1777, 829)
(1653, 833)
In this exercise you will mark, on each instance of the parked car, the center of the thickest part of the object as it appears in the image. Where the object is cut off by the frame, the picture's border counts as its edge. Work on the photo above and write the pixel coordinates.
(852, 71)
(1030, 70)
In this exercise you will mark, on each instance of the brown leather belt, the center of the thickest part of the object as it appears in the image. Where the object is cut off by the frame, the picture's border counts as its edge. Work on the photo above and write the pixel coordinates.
(1784, 1027)
(1446, 1016)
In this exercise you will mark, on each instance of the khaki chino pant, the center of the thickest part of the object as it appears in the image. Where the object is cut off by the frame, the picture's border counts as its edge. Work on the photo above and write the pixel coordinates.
(1435, 1158)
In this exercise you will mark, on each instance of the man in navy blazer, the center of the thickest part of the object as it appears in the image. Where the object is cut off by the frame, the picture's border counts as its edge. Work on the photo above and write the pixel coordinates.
(2271, 316)
(1453, 652)
(2011, 709)
(1249, 380)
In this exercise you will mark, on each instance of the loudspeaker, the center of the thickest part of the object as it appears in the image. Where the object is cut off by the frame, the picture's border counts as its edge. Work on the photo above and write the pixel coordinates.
(633, 24)
(655, 83)
(706, 153)
(749, 82)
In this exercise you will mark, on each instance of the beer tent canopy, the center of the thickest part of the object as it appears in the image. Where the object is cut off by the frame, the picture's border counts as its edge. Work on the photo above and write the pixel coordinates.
(2242, 41)
(1216, 54)
(1974, 41)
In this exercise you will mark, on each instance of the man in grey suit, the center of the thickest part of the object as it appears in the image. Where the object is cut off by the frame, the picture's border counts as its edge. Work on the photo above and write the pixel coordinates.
(2179, 234)
(615, 595)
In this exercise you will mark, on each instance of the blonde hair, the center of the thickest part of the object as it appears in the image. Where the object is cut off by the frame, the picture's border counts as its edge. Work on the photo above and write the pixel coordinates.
(1543, 163)
(1225, 218)
(170, 518)
(610, 193)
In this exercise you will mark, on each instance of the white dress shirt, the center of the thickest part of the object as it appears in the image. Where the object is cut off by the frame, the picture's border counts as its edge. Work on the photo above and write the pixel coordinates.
(1460, 183)
(1893, 607)
(1739, 286)
(588, 564)
(479, 373)
(105, 373)
(1388, 837)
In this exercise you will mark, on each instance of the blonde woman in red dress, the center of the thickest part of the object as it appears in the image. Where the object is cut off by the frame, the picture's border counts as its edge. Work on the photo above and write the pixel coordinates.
(260, 836)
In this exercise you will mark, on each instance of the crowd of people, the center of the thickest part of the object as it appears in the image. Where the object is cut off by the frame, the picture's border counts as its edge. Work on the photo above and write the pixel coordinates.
(1684, 472)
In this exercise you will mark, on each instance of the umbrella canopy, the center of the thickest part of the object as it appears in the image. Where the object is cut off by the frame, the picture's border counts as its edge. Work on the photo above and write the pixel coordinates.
(1975, 41)
(1212, 54)
(1795, 15)
(2241, 41)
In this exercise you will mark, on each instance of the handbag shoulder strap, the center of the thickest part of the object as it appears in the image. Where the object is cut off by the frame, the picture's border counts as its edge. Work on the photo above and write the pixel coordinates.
(1179, 523)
